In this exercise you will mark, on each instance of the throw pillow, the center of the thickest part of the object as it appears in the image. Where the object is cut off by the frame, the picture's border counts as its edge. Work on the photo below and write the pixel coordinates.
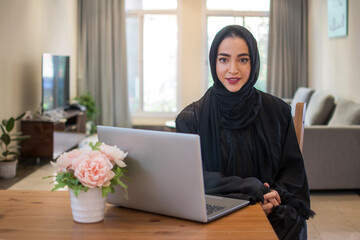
(320, 106)
(302, 94)
(346, 113)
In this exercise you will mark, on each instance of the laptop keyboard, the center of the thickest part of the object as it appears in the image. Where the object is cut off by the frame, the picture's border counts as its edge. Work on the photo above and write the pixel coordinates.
(213, 208)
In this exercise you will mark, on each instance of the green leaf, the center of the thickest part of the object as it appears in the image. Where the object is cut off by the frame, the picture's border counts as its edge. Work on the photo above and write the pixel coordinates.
(63, 179)
(2, 128)
(88, 101)
(119, 172)
(125, 188)
(46, 177)
(58, 186)
(96, 146)
(123, 185)
(10, 124)
(91, 144)
(16, 134)
(74, 181)
(6, 138)
(77, 191)
(105, 191)
(22, 138)
(20, 117)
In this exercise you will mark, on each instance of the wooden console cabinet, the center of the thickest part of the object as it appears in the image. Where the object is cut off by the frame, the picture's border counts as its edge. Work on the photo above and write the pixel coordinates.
(48, 139)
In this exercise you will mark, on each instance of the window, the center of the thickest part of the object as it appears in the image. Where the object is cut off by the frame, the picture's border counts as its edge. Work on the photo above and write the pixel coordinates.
(152, 55)
(253, 15)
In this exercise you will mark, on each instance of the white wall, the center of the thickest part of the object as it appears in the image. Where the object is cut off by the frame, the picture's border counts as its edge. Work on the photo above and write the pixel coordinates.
(29, 28)
(192, 51)
(334, 63)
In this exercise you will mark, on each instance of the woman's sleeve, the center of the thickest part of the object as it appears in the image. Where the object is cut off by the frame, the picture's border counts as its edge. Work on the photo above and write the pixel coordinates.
(250, 188)
(292, 186)
(186, 121)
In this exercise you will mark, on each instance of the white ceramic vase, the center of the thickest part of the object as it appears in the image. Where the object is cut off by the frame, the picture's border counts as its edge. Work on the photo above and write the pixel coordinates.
(88, 207)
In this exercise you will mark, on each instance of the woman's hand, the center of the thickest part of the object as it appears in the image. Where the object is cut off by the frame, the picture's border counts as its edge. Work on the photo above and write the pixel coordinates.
(271, 200)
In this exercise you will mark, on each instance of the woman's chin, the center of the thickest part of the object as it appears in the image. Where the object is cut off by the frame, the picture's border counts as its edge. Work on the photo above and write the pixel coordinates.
(233, 88)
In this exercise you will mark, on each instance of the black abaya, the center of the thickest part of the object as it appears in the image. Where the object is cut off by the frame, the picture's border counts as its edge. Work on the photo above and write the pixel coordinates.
(284, 171)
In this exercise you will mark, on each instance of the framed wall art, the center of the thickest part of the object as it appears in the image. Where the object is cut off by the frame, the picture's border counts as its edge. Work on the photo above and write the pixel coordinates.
(337, 18)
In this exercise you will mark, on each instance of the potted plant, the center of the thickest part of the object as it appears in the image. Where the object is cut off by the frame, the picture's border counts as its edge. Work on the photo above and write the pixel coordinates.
(9, 153)
(88, 101)
(90, 173)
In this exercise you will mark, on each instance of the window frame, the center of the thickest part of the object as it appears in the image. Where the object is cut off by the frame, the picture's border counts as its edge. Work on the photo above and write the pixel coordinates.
(139, 14)
(222, 13)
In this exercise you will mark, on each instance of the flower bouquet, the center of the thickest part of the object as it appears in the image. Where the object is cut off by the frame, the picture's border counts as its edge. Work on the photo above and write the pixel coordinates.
(90, 174)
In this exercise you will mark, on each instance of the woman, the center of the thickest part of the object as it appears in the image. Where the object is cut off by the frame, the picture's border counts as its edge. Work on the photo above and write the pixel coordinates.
(248, 142)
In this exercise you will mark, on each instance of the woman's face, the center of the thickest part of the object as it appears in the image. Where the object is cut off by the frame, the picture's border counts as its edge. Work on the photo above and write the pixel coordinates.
(233, 63)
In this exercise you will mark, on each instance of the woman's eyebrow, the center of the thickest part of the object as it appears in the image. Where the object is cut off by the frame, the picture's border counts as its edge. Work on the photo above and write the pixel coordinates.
(243, 54)
(224, 54)
(239, 55)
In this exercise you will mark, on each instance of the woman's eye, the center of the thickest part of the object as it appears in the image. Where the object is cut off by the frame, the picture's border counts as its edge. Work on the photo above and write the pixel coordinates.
(222, 60)
(244, 60)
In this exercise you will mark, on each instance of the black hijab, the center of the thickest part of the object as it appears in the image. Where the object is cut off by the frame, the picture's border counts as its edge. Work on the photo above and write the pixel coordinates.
(223, 109)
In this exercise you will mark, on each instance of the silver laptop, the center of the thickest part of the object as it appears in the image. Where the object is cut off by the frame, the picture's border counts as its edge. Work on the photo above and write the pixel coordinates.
(166, 175)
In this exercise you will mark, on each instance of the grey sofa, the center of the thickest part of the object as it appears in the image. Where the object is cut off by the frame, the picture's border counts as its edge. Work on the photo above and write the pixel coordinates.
(331, 147)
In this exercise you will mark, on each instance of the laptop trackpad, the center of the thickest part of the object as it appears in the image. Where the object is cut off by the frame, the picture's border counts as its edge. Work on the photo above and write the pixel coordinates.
(218, 206)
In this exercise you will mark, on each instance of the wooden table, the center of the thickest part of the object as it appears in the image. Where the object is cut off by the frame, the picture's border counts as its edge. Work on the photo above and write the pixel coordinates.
(47, 215)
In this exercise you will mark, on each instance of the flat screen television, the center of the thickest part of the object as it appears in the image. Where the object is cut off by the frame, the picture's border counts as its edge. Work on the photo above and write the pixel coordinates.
(55, 75)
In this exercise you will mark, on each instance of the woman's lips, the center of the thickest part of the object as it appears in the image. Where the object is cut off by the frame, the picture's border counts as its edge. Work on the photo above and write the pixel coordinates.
(233, 80)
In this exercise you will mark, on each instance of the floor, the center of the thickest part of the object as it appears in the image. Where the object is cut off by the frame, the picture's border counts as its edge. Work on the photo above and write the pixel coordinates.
(337, 215)
(337, 212)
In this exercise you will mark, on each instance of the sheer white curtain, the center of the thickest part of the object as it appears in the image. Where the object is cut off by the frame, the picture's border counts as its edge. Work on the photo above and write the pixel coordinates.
(288, 47)
(102, 59)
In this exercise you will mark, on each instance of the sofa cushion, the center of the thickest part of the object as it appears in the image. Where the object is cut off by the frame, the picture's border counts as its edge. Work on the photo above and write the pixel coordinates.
(346, 113)
(319, 108)
(302, 94)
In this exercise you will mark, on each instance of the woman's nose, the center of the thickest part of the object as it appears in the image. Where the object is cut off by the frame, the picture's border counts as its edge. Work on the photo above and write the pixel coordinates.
(233, 68)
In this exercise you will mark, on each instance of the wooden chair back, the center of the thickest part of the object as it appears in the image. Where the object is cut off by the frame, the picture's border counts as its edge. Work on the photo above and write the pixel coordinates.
(298, 120)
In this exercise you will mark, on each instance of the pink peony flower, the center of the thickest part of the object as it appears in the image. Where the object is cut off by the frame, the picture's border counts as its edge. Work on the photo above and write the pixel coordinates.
(115, 155)
(67, 160)
(95, 171)
(84, 155)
